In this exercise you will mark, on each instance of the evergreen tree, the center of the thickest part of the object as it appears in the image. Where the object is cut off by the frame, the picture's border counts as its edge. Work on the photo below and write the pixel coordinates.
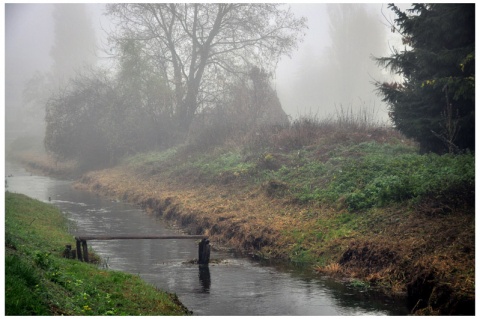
(435, 102)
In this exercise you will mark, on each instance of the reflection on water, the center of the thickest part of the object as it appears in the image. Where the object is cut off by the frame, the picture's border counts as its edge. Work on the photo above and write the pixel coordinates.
(235, 286)
(204, 276)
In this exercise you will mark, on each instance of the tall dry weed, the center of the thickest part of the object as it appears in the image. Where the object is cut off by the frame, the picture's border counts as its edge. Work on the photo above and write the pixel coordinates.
(346, 124)
(359, 119)
(330, 269)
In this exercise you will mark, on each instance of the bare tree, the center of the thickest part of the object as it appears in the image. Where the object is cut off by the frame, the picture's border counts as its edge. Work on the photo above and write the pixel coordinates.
(198, 45)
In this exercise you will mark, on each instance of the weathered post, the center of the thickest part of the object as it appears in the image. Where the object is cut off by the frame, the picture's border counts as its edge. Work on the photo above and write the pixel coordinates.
(85, 251)
(67, 253)
(79, 250)
(204, 252)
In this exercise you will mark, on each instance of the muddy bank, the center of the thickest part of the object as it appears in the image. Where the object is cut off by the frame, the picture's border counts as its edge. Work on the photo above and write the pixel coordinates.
(417, 251)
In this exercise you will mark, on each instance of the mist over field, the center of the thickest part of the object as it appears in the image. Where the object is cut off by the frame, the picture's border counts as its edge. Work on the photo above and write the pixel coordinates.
(331, 70)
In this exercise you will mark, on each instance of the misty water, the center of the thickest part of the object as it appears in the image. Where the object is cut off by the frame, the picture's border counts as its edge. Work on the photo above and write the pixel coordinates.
(234, 286)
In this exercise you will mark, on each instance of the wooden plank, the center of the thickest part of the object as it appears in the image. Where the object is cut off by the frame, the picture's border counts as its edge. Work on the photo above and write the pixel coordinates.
(114, 237)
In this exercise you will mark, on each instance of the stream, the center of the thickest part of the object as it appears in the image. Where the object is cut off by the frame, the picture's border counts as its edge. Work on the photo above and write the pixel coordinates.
(235, 285)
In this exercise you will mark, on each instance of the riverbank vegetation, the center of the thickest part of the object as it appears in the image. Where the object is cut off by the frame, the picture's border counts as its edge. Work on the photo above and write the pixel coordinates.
(348, 198)
(39, 281)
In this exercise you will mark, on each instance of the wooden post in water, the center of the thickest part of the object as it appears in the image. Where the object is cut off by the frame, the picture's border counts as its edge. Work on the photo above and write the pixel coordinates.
(85, 251)
(79, 250)
(204, 252)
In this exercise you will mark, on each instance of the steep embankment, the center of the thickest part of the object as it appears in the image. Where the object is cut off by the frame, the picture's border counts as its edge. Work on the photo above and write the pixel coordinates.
(363, 205)
(353, 202)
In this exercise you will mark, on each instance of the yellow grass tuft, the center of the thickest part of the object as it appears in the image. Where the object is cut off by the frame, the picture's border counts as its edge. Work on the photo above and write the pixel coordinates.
(330, 269)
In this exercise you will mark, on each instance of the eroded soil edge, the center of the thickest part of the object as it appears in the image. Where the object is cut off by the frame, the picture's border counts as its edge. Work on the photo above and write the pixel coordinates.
(424, 251)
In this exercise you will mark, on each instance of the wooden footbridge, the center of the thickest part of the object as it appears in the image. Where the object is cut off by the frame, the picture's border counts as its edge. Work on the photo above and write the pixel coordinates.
(82, 248)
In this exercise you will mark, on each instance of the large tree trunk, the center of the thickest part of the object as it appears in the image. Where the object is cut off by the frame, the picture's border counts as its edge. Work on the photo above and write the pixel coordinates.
(186, 112)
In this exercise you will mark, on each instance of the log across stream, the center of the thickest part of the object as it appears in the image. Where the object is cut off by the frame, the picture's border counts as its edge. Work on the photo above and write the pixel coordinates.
(82, 247)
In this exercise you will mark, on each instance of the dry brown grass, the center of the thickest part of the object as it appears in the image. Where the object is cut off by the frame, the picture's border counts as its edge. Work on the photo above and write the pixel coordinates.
(332, 269)
(427, 257)
(305, 132)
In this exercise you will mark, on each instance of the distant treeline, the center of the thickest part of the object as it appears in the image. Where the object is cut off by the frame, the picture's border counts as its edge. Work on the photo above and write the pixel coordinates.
(100, 118)
(181, 70)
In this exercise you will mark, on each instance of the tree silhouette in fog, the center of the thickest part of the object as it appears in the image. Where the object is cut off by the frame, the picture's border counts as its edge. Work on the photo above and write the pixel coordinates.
(196, 44)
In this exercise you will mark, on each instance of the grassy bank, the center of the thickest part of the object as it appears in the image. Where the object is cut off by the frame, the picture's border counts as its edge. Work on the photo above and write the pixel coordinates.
(350, 201)
(39, 281)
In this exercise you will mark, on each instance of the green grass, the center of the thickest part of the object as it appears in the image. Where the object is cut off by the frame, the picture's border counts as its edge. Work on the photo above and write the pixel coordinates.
(21, 293)
(150, 158)
(378, 179)
(210, 166)
(356, 176)
(38, 281)
(370, 175)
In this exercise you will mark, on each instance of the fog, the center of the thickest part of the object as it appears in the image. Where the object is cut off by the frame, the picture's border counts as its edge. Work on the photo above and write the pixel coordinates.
(28, 39)
(331, 70)
(45, 45)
